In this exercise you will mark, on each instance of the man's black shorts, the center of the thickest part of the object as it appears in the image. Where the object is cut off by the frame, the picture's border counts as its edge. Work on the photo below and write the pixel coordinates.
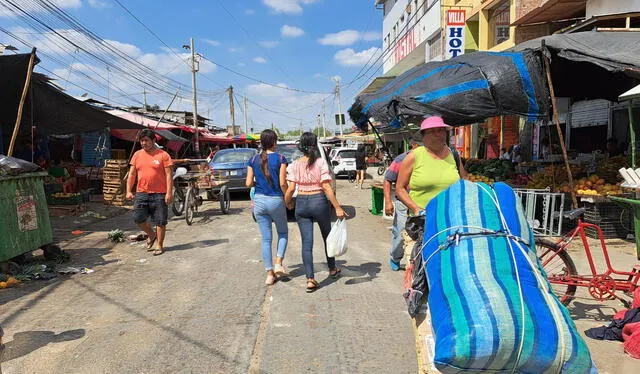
(150, 205)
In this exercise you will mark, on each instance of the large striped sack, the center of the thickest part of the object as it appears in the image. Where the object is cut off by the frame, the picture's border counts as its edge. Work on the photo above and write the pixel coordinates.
(492, 309)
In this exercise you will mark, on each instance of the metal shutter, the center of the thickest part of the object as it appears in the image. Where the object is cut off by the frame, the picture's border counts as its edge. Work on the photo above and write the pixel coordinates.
(590, 113)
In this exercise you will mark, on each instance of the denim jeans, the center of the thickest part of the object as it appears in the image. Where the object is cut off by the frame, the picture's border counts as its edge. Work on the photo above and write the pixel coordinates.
(399, 221)
(268, 209)
(309, 209)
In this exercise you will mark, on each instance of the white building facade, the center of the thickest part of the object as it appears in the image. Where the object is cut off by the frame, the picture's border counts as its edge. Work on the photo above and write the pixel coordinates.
(411, 34)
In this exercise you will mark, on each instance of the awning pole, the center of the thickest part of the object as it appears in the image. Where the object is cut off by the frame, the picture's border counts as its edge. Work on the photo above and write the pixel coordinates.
(547, 67)
(632, 131)
(166, 110)
(25, 89)
(384, 145)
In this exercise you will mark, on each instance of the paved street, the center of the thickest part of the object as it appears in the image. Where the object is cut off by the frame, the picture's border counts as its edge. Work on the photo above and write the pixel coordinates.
(203, 306)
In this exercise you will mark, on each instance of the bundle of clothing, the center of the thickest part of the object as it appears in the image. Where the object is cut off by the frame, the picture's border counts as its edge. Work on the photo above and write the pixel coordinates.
(625, 327)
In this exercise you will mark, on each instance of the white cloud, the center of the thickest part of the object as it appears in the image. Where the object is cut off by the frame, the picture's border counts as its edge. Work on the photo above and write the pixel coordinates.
(249, 12)
(212, 42)
(128, 49)
(287, 6)
(348, 37)
(291, 31)
(97, 4)
(318, 75)
(241, 64)
(259, 60)
(335, 77)
(233, 49)
(268, 43)
(349, 57)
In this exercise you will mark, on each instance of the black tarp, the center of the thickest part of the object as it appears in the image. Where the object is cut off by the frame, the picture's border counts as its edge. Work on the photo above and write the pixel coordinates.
(463, 90)
(591, 65)
(586, 65)
(54, 112)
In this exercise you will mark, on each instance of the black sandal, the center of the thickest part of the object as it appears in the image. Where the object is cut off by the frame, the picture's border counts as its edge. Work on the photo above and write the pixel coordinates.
(150, 244)
(314, 285)
(336, 273)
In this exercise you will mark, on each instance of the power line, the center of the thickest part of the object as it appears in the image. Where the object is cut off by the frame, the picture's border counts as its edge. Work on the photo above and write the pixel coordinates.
(261, 81)
(391, 45)
(100, 43)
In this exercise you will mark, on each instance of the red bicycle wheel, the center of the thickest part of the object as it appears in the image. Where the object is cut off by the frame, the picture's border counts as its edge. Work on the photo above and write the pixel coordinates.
(559, 268)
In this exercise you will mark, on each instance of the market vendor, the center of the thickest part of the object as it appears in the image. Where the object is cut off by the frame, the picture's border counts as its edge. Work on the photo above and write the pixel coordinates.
(430, 169)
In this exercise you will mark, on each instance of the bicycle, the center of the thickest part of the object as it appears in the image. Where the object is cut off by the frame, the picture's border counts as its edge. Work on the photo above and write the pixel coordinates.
(188, 201)
(563, 275)
(386, 162)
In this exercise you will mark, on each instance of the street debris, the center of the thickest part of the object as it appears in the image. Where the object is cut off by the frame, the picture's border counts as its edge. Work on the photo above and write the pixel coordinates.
(116, 236)
(142, 260)
(93, 214)
(138, 238)
(8, 281)
(77, 232)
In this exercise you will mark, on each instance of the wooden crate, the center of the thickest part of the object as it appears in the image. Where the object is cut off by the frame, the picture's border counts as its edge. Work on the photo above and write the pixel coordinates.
(117, 163)
(114, 199)
(119, 154)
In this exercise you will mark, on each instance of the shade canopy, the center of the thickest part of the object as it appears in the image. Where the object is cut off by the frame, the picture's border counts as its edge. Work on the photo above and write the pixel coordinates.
(47, 107)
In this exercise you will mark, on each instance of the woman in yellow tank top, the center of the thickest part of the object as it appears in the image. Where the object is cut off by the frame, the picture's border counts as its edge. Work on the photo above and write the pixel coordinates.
(428, 170)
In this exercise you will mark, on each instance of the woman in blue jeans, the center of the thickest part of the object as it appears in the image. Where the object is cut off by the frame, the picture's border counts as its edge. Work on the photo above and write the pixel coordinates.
(310, 175)
(269, 170)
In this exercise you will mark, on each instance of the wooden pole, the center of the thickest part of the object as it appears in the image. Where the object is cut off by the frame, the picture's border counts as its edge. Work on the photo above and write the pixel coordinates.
(25, 89)
(556, 119)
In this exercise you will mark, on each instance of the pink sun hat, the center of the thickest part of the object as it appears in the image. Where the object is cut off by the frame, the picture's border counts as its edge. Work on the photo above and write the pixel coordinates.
(433, 123)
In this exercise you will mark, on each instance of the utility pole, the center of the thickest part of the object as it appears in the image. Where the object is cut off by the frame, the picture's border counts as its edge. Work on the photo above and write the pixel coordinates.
(339, 105)
(194, 69)
(300, 128)
(319, 124)
(246, 117)
(144, 93)
(324, 128)
(232, 110)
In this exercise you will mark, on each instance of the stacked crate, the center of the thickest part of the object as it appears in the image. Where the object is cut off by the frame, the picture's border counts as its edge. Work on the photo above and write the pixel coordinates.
(114, 179)
(614, 219)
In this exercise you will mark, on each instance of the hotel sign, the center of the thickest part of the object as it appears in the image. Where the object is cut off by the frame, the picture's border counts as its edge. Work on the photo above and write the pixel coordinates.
(455, 33)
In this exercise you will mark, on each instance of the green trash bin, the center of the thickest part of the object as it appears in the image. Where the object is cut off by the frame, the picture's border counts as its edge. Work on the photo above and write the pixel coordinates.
(377, 201)
(24, 215)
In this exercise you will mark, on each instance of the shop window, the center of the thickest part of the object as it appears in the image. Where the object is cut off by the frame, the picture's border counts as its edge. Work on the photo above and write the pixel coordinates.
(435, 47)
(500, 20)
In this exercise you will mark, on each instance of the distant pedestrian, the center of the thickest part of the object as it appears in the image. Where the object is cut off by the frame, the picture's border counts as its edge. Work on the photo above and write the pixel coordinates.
(152, 172)
(397, 208)
(310, 176)
(268, 172)
(361, 164)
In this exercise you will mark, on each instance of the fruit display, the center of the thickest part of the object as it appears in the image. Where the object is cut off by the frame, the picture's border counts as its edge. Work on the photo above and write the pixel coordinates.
(552, 176)
(493, 169)
(479, 178)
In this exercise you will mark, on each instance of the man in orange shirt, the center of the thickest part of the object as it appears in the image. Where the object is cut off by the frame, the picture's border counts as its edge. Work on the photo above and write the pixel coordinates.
(152, 169)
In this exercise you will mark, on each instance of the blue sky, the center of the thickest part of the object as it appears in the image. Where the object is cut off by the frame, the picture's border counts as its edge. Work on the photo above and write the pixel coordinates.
(299, 44)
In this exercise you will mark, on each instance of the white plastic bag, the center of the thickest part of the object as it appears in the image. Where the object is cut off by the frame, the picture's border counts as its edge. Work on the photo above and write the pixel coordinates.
(337, 239)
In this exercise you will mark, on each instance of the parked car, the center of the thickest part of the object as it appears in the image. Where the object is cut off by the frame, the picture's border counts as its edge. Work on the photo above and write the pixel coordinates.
(232, 164)
(344, 161)
(289, 149)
